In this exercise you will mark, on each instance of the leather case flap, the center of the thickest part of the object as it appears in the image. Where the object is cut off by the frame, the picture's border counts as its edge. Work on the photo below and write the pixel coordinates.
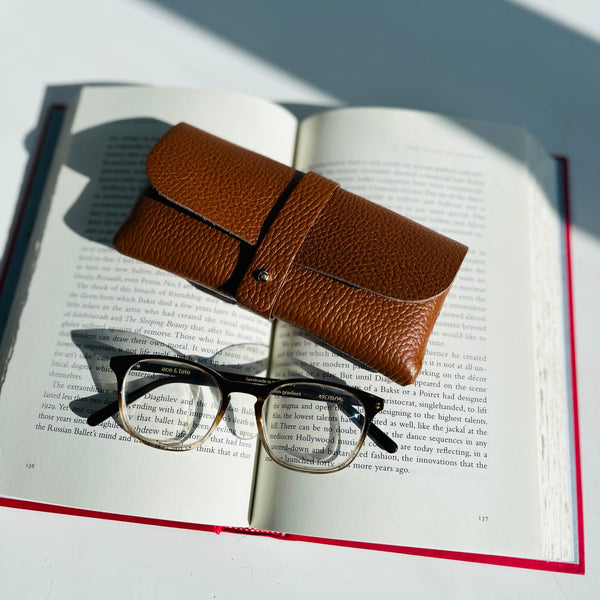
(365, 245)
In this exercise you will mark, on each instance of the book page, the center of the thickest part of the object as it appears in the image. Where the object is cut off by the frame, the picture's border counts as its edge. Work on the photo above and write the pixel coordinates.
(554, 386)
(465, 477)
(86, 303)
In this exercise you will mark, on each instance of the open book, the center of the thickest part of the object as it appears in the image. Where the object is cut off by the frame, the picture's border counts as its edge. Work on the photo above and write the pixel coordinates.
(487, 466)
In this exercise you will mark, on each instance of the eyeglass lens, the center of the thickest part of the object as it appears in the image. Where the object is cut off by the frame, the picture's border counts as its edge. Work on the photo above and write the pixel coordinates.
(170, 403)
(313, 427)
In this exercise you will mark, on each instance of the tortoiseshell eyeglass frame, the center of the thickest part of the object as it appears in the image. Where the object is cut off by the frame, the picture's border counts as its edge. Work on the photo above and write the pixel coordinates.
(187, 371)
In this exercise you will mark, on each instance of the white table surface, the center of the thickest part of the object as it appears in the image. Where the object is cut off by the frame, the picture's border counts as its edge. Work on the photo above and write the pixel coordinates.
(533, 62)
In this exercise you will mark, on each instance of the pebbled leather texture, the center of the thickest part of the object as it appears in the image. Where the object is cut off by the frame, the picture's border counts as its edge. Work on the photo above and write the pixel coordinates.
(295, 247)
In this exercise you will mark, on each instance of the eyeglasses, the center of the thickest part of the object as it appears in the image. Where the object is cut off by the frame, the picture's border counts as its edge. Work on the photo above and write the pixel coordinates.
(304, 424)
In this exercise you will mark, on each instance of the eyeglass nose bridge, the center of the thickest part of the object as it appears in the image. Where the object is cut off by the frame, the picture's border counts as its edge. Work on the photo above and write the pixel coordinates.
(242, 409)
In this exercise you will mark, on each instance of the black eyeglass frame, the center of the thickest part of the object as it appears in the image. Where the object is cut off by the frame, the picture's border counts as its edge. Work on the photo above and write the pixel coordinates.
(259, 387)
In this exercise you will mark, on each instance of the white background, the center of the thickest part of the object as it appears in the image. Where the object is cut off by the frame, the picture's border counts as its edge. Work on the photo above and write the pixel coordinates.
(534, 63)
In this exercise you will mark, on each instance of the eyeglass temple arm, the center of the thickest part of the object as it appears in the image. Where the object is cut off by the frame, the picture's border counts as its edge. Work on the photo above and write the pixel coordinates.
(382, 439)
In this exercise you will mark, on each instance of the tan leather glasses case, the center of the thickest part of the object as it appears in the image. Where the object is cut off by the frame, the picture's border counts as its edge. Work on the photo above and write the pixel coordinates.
(294, 247)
